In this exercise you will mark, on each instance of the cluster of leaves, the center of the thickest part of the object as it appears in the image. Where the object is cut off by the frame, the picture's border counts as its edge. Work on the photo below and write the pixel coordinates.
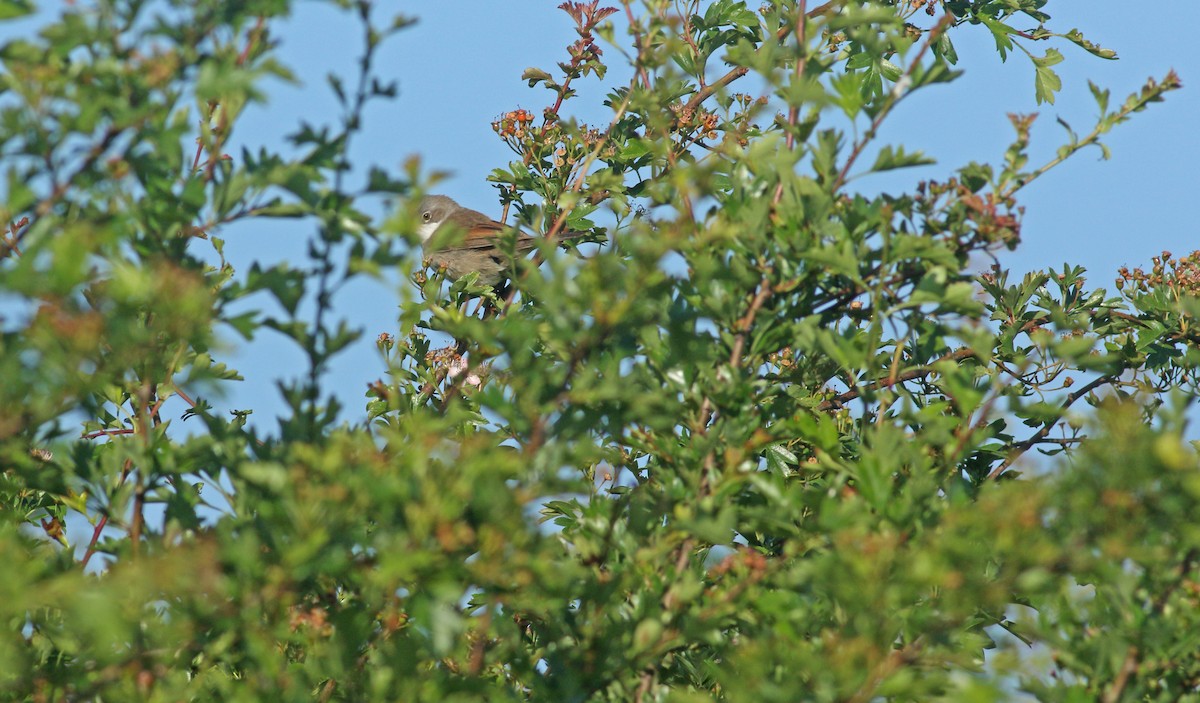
(761, 445)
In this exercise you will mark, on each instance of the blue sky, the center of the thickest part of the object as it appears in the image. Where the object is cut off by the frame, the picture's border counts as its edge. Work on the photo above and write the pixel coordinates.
(460, 67)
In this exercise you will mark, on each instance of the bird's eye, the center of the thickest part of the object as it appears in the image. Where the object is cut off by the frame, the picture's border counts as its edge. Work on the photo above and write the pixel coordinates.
(426, 216)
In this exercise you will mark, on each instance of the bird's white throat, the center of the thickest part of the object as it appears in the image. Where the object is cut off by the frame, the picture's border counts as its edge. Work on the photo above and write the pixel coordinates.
(426, 230)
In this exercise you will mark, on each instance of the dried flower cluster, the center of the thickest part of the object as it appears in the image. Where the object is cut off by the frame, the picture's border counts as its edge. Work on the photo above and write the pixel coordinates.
(514, 124)
(698, 119)
(929, 5)
(551, 145)
(454, 365)
(994, 218)
(1180, 276)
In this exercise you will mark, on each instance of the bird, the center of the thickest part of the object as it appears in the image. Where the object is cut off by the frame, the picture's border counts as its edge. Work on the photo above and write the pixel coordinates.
(478, 251)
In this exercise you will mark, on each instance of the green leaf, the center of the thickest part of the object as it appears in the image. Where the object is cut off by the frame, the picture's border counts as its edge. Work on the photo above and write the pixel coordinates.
(895, 157)
(1000, 34)
(945, 48)
(1047, 82)
(890, 71)
(10, 9)
(1094, 49)
(1101, 96)
(859, 61)
(535, 76)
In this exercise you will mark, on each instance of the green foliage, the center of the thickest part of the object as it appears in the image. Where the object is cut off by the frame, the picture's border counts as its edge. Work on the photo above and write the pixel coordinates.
(771, 441)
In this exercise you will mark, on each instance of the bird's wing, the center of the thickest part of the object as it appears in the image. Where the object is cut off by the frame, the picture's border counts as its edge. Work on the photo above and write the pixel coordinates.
(482, 231)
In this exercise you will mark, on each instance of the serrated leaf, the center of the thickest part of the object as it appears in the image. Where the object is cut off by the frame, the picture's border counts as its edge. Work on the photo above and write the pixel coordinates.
(283, 210)
(535, 76)
(1076, 37)
(890, 158)
(780, 453)
(1047, 82)
(1000, 33)
(1101, 97)
(859, 61)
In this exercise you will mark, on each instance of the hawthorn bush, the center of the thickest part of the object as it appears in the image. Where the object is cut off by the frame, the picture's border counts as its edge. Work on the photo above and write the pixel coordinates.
(772, 440)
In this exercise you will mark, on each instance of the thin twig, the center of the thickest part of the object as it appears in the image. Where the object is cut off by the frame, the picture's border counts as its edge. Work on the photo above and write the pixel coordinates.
(887, 666)
(110, 135)
(1128, 666)
(707, 92)
(109, 433)
(556, 227)
(1021, 447)
(1171, 82)
(686, 14)
(919, 372)
(647, 681)
(747, 321)
(894, 99)
(637, 41)
(794, 110)
(103, 521)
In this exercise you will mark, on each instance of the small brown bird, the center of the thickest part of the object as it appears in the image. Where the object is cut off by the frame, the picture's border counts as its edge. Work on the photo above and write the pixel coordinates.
(478, 250)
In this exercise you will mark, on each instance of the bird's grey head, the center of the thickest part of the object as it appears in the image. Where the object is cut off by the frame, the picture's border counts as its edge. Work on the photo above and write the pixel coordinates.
(434, 210)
